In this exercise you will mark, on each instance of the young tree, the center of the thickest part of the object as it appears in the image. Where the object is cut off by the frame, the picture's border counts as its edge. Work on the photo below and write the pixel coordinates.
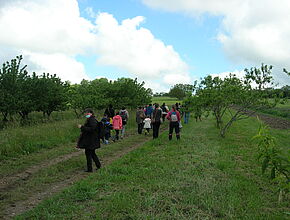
(12, 79)
(239, 97)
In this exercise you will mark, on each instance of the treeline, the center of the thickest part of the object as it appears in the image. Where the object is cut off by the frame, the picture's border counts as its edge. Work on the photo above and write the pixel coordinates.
(22, 93)
(181, 91)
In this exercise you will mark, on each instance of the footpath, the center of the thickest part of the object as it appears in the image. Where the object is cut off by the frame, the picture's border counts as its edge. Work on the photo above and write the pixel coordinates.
(22, 191)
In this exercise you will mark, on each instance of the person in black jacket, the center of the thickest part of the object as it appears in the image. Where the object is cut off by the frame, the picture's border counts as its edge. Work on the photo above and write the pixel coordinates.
(90, 139)
(110, 112)
(156, 120)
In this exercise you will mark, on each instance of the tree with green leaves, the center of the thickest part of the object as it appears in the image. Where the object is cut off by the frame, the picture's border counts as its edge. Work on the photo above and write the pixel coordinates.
(180, 91)
(99, 93)
(240, 98)
(12, 83)
(50, 94)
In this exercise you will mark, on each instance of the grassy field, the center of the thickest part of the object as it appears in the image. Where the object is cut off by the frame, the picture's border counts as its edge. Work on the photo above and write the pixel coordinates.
(167, 100)
(62, 130)
(281, 110)
(202, 176)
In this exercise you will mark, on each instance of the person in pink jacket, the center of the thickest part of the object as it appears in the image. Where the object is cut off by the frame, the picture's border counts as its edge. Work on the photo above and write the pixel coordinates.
(174, 117)
(117, 125)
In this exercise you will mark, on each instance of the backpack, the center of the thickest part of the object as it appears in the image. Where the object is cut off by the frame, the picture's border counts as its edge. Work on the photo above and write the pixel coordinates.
(163, 108)
(123, 115)
(173, 117)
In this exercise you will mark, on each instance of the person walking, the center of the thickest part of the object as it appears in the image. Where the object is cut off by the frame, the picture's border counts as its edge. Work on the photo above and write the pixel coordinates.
(186, 113)
(149, 110)
(165, 110)
(174, 117)
(107, 129)
(90, 139)
(117, 125)
(110, 112)
(156, 120)
(147, 124)
(140, 116)
(125, 117)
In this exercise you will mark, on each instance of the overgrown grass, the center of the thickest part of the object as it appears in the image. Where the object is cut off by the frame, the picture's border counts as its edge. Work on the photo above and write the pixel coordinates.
(23, 141)
(202, 176)
(18, 140)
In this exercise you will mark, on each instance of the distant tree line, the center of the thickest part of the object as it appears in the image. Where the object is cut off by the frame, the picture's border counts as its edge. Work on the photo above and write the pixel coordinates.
(22, 93)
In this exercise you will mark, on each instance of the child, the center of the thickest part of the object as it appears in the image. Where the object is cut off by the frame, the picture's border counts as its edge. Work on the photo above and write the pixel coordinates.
(107, 129)
(117, 125)
(147, 124)
(103, 121)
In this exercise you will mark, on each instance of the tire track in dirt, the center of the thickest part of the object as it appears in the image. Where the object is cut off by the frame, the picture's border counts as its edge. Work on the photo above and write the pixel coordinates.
(10, 182)
(272, 121)
(20, 207)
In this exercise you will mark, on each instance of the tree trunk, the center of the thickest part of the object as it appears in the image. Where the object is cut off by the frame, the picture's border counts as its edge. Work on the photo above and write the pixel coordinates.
(225, 128)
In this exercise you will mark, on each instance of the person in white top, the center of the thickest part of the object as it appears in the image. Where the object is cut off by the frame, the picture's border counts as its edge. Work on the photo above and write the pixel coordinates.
(147, 125)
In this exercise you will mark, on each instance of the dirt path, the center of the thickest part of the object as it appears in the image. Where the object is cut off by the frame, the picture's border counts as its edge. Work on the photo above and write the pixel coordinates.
(10, 182)
(272, 121)
(20, 207)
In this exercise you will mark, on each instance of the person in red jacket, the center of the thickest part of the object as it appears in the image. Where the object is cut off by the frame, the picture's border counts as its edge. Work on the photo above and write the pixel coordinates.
(174, 117)
(117, 125)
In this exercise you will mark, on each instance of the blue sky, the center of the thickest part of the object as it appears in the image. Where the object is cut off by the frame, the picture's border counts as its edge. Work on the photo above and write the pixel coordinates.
(161, 42)
(194, 39)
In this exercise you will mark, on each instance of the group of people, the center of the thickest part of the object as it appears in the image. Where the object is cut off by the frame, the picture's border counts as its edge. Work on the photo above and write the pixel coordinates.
(151, 117)
(148, 117)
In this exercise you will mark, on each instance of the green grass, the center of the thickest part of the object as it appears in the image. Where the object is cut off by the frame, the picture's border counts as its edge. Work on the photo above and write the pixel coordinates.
(167, 100)
(18, 141)
(15, 142)
(54, 174)
(280, 110)
(201, 177)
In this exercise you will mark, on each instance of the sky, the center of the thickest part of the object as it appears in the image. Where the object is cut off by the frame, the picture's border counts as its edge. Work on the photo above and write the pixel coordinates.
(160, 42)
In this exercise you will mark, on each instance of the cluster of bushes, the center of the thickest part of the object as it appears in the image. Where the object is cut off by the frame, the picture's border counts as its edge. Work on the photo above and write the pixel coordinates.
(22, 93)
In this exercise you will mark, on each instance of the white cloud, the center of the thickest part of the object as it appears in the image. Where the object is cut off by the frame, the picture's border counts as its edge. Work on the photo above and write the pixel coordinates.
(50, 26)
(57, 64)
(51, 33)
(136, 50)
(251, 32)
(237, 73)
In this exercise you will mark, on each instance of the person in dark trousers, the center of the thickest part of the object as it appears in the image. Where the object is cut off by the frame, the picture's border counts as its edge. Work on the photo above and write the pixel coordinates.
(110, 112)
(107, 129)
(174, 117)
(156, 120)
(125, 117)
(140, 116)
(90, 139)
